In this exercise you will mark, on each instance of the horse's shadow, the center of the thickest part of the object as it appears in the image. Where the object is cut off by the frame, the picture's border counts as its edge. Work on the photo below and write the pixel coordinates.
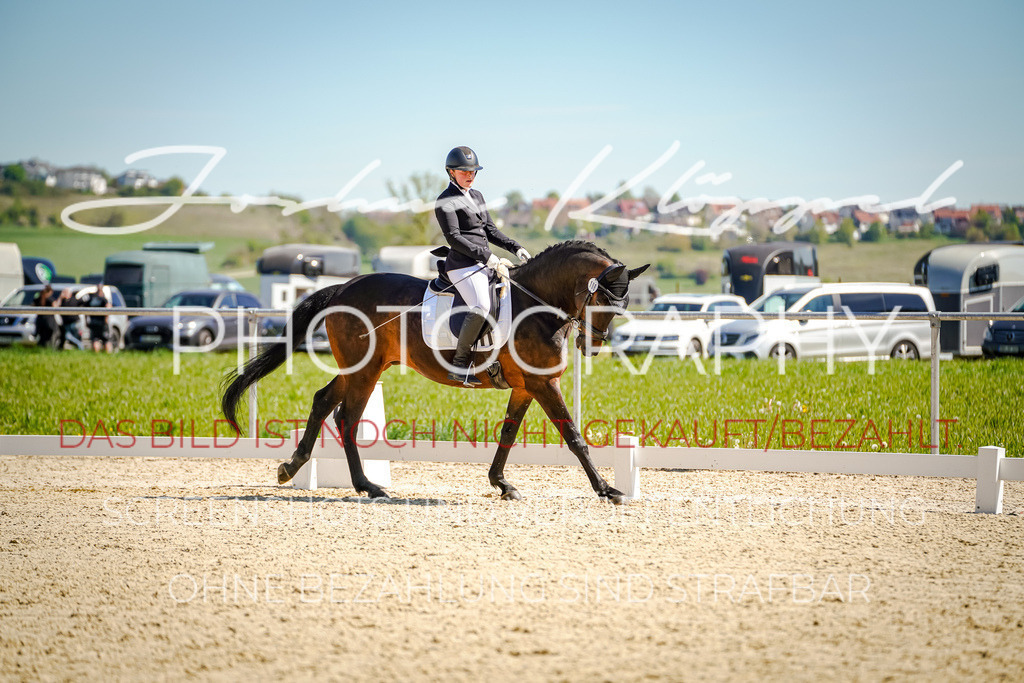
(261, 498)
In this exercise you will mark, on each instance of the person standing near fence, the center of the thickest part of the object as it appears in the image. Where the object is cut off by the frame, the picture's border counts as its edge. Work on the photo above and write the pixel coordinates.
(98, 327)
(44, 323)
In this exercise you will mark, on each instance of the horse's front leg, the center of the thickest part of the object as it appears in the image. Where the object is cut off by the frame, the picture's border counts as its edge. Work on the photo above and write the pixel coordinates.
(549, 396)
(518, 404)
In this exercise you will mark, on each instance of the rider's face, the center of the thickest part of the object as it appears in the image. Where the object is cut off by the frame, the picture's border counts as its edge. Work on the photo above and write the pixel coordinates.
(464, 178)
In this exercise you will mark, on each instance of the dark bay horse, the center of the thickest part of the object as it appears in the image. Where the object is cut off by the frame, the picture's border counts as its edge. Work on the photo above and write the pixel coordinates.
(579, 283)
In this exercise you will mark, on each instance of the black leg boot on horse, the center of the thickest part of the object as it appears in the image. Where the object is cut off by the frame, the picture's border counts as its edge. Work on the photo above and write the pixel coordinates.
(469, 333)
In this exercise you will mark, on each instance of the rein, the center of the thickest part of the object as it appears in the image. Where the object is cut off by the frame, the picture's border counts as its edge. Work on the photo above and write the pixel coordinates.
(593, 286)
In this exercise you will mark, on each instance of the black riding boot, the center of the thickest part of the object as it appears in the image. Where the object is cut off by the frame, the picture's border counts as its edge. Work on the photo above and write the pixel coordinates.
(468, 335)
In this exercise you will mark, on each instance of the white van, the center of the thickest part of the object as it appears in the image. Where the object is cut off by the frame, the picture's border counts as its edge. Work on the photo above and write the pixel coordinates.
(841, 337)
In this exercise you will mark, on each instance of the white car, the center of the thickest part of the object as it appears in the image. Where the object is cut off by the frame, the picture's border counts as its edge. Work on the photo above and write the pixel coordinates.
(841, 337)
(674, 336)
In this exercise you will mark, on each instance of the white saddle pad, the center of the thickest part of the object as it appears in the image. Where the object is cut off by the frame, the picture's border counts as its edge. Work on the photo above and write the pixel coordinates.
(437, 309)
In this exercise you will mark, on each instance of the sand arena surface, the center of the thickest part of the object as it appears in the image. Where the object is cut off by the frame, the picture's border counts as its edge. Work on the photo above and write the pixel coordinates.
(141, 569)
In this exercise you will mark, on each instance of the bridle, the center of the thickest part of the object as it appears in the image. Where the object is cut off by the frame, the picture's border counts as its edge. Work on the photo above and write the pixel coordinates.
(594, 285)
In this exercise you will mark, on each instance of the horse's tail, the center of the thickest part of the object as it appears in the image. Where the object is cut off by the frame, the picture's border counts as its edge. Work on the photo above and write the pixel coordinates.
(274, 354)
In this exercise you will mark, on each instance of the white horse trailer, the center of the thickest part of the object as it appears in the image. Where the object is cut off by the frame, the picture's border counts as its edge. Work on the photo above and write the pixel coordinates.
(289, 272)
(973, 278)
(412, 260)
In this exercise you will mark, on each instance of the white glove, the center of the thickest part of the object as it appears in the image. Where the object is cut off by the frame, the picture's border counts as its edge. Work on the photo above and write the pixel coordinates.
(499, 266)
(523, 255)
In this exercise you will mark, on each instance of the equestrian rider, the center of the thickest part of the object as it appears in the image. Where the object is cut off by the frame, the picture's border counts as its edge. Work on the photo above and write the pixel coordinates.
(468, 227)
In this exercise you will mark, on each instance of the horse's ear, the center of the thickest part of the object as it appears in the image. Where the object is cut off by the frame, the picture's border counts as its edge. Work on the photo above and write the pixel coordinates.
(635, 272)
(614, 274)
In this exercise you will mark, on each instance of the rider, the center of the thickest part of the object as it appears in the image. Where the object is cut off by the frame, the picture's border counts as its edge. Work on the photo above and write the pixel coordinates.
(468, 227)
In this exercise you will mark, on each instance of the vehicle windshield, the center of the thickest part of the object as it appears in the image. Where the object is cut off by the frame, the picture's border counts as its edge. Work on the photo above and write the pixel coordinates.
(666, 306)
(19, 298)
(1019, 308)
(778, 301)
(191, 299)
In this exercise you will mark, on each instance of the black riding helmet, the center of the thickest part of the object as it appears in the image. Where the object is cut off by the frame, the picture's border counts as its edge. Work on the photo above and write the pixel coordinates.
(462, 159)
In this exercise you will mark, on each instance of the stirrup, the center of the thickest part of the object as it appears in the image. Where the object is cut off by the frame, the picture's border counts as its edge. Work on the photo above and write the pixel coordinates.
(465, 377)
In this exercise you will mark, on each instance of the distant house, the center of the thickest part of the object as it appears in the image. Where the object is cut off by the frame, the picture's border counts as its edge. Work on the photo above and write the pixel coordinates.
(993, 210)
(830, 220)
(952, 221)
(562, 219)
(633, 208)
(864, 219)
(136, 180)
(713, 211)
(82, 178)
(35, 170)
(40, 170)
(518, 219)
(766, 218)
(907, 220)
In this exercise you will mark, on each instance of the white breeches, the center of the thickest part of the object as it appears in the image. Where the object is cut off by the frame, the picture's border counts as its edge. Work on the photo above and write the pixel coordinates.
(473, 288)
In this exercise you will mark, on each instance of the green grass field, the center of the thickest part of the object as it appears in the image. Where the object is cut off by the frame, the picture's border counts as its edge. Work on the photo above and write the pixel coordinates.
(673, 404)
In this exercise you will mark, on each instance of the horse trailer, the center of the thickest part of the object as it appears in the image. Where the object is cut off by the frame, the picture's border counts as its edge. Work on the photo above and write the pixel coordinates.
(973, 278)
(417, 261)
(150, 276)
(752, 270)
(289, 272)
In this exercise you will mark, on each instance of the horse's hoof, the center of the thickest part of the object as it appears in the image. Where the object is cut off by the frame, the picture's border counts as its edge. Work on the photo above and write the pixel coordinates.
(512, 494)
(378, 493)
(613, 496)
(283, 475)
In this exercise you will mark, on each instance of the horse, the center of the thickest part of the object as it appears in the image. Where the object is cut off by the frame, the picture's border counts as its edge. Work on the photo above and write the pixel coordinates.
(573, 284)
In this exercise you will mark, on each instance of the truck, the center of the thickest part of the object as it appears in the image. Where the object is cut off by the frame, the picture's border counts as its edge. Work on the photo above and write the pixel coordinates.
(150, 276)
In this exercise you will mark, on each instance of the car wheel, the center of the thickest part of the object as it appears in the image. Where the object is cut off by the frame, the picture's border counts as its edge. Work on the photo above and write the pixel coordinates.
(204, 338)
(905, 351)
(115, 338)
(784, 350)
(694, 348)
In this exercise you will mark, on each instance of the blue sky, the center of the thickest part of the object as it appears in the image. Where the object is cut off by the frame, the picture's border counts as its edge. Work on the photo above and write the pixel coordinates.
(793, 99)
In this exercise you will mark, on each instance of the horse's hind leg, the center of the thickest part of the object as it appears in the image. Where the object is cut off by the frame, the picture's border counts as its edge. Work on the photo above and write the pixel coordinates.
(347, 420)
(324, 402)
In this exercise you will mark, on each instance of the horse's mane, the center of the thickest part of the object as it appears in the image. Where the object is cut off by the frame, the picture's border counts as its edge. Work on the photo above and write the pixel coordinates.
(557, 253)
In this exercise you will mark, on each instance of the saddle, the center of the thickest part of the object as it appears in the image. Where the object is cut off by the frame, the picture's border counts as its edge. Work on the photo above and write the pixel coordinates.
(441, 297)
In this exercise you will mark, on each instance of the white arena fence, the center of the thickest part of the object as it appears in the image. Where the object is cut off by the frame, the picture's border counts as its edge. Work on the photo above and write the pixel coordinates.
(327, 468)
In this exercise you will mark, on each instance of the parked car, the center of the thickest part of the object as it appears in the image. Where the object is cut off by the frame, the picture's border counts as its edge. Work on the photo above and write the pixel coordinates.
(1005, 337)
(675, 337)
(22, 328)
(196, 329)
(841, 337)
(225, 283)
(275, 327)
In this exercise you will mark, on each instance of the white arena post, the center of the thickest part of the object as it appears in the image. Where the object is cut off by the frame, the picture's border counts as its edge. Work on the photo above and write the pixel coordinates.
(989, 493)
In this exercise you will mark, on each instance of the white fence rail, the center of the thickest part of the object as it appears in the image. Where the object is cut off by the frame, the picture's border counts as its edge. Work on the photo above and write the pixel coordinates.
(990, 468)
